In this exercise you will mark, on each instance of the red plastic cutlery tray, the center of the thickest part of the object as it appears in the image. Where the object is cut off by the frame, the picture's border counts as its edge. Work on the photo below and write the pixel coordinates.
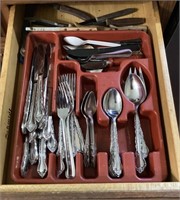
(113, 76)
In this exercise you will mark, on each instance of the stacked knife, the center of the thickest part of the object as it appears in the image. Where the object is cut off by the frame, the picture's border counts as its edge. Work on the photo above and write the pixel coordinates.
(37, 124)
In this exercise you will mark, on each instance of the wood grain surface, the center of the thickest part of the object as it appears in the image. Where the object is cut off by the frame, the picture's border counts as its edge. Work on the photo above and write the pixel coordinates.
(163, 190)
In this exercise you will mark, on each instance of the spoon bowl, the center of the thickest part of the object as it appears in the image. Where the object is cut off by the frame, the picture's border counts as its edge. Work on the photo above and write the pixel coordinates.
(112, 103)
(134, 89)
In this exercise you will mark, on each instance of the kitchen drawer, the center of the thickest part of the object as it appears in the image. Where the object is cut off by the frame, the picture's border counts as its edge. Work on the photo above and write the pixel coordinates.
(10, 81)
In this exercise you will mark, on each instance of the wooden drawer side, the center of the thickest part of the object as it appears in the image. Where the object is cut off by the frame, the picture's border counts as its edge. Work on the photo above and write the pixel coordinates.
(7, 79)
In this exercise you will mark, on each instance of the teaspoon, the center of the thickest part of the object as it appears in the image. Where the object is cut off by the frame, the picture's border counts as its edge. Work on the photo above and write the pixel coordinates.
(112, 105)
(89, 110)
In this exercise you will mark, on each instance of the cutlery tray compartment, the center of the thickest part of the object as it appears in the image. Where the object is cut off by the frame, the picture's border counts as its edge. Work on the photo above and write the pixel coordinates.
(99, 82)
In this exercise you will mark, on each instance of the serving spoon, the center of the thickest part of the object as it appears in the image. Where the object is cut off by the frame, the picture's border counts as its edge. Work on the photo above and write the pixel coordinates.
(135, 91)
(112, 105)
(76, 41)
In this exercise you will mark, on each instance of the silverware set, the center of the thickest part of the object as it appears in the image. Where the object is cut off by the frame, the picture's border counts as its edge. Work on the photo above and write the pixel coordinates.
(38, 126)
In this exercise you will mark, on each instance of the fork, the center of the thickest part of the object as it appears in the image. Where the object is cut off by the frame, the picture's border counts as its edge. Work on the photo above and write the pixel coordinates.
(75, 129)
(64, 109)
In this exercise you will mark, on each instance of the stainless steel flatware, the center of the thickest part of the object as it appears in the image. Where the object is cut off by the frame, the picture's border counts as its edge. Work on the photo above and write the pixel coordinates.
(112, 105)
(64, 109)
(28, 95)
(39, 106)
(88, 109)
(136, 92)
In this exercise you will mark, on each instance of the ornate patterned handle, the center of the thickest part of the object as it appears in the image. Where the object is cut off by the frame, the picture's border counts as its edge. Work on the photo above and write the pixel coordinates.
(93, 148)
(39, 106)
(42, 166)
(33, 152)
(140, 145)
(70, 171)
(31, 124)
(115, 167)
(86, 146)
(25, 158)
(27, 106)
(61, 149)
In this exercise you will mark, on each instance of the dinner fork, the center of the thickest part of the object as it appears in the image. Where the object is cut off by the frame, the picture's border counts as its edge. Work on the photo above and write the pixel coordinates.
(64, 109)
(75, 129)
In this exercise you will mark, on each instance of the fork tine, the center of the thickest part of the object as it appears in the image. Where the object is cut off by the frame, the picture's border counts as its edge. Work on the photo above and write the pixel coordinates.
(141, 75)
(135, 71)
(130, 71)
(69, 93)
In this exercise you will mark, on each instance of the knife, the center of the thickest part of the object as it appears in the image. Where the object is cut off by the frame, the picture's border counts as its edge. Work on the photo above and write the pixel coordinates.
(83, 53)
(74, 11)
(125, 21)
(45, 22)
(102, 19)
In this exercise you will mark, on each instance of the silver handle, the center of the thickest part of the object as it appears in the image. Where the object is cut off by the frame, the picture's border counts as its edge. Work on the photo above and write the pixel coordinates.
(93, 148)
(86, 146)
(70, 171)
(52, 142)
(79, 134)
(39, 106)
(42, 166)
(33, 152)
(27, 106)
(140, 145)
(115, 166)
(25, 158)
(31, 124)
(61, 149)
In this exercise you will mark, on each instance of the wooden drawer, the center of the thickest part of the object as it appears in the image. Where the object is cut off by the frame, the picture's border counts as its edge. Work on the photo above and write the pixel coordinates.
(10, 82)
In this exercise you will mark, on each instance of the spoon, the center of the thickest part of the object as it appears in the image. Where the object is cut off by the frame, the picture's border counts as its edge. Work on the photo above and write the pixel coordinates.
(86, 146)
(112, 105)
(135, 91)
(89, 110)
(76, 41)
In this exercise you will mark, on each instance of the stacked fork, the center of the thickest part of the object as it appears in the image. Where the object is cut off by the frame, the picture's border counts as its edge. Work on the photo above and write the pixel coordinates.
(70, 134)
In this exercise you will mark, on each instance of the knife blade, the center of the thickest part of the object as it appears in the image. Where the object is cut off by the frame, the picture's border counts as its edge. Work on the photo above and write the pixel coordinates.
(83, 53)
(74, 11)
(102, 19)
(126, 21)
